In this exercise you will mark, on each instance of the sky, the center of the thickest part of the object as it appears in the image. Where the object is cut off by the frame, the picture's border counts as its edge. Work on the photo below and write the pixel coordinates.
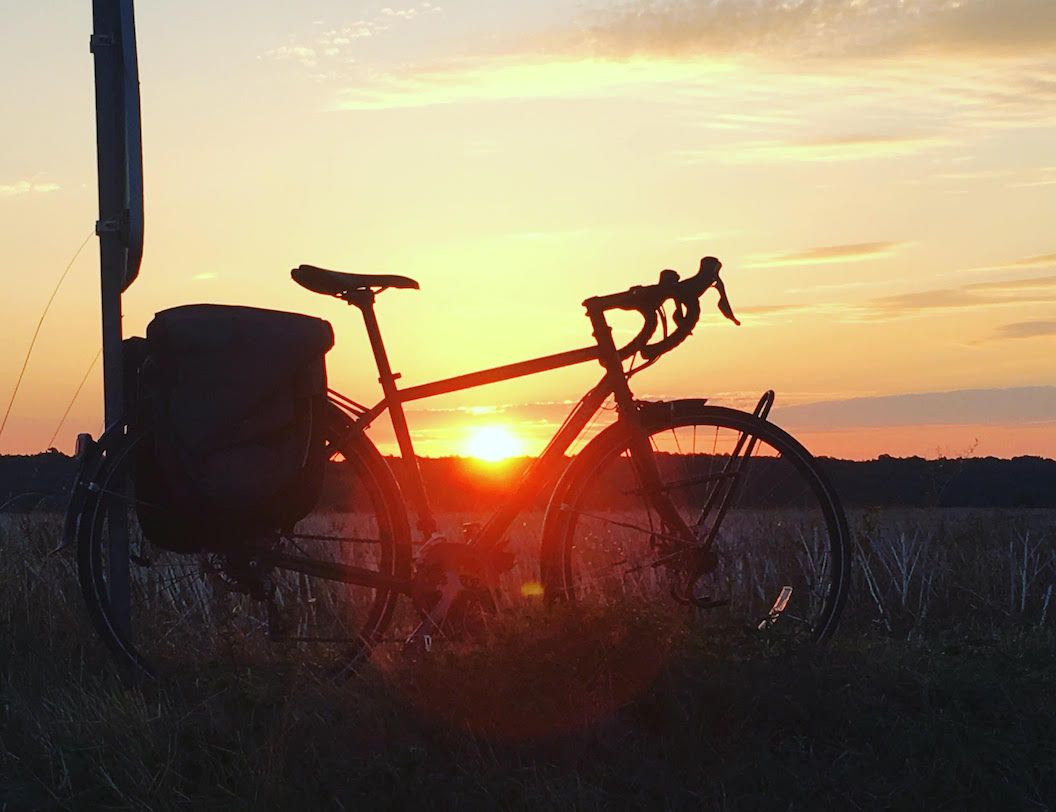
(878, 178)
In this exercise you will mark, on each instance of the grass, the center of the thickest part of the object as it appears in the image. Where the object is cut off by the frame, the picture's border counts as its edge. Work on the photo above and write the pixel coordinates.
(936, 694)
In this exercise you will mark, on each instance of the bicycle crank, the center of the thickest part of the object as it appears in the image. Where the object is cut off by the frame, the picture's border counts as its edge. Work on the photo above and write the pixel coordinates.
(454, 587)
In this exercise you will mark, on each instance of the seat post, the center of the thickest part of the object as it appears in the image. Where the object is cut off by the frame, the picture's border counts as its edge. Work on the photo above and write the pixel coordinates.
(364, 301)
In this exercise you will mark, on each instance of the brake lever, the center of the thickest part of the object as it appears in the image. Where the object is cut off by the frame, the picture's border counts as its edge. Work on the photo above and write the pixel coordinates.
(724, 302)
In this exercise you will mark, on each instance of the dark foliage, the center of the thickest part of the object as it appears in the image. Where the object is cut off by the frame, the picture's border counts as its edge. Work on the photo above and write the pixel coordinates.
(37, 481)
(464, 484)
(1022, 482)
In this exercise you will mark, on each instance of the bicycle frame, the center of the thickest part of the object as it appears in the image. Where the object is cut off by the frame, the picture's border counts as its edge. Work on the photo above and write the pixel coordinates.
(546, 466)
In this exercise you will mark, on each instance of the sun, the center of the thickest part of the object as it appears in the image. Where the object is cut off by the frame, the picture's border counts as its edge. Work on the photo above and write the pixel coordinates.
(493, 443)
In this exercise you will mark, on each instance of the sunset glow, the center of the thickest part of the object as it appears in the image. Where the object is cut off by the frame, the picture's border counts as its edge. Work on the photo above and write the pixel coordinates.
(493, 443)
(878, 179)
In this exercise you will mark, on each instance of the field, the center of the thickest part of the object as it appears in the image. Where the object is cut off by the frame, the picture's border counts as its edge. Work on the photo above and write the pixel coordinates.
(936, 693)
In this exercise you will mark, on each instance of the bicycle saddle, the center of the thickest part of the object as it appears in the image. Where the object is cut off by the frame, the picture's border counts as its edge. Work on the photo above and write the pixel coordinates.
(338, 283)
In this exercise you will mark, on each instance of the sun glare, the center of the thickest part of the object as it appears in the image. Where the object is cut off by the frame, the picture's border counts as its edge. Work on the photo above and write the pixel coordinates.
(493, 443)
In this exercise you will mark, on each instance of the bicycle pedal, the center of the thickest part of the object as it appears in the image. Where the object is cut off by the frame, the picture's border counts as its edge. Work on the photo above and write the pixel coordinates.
(777, 610)
(419, 642)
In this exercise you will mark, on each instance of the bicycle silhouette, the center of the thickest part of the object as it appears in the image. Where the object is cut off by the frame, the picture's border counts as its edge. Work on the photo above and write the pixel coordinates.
(677, 506)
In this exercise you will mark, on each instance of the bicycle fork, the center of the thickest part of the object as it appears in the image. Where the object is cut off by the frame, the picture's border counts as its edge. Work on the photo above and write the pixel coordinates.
(717, 504)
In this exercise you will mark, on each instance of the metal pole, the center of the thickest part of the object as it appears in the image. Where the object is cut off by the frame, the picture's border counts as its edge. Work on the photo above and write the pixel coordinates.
(120, 230)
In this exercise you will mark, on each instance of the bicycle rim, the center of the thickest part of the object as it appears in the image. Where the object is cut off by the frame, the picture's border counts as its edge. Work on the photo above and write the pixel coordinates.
(195, 607)
(767, 553)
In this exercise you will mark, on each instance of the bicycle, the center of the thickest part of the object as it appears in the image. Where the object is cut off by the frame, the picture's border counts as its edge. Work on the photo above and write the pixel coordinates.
(696, 509)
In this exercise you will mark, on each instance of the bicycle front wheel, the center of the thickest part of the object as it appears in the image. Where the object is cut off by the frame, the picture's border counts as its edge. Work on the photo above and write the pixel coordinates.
(760, 549)
(232, 600)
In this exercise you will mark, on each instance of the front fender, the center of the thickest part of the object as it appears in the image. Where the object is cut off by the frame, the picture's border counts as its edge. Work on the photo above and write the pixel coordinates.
(659, 412)
(653, 414)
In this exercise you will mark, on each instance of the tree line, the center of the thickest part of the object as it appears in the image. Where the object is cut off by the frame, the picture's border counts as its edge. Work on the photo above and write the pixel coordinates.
(42, 482)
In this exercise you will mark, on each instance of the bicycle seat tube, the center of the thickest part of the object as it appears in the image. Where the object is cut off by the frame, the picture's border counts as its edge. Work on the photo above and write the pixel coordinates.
(363, 300)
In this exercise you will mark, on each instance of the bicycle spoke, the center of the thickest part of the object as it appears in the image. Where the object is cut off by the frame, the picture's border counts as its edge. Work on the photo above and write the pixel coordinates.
(635, 527)
(762, 522)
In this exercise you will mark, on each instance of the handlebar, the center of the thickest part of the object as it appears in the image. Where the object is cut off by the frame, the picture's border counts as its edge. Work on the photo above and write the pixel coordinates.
(649, 300)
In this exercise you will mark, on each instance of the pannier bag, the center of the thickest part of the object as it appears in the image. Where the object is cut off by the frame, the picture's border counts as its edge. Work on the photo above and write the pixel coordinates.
(236, 399)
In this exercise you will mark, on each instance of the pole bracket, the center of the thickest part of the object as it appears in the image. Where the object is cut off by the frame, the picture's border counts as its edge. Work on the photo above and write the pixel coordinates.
(99, 39)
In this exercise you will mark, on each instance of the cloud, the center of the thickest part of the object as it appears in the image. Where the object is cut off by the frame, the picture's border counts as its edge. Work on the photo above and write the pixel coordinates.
(832, 148)
(1027, 329)
(856, 28)
(1018, 405)
(1014, 284)
(1029, 184)
(331, 52)
(299, 53)
(854, 252)
(22, 187)
(1026, 262)
(1024, 291)
(493, 78)
(780, 66)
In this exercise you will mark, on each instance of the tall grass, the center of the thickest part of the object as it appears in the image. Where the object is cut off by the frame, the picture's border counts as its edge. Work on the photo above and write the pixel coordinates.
(937, 692)
(986, 571)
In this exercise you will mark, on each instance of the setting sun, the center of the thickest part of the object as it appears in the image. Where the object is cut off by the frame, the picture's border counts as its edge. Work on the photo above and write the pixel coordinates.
(493, 443)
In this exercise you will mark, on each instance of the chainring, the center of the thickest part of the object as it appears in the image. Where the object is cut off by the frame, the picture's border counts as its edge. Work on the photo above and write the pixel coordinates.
(472, 572)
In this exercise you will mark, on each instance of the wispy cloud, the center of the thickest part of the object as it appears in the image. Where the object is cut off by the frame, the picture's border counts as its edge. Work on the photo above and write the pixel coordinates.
(329, 54)
(491, 78)
(1020, 405)
(1027, 329)
(922, 56)
(981, 294)
(23, 187)
(832, 148)
(1024, 291)
(856, 28)
(1035, 282)
(853, 252)
(1039, 261)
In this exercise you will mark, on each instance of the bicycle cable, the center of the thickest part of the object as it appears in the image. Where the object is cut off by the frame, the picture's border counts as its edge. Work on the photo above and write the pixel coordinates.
(69, 406)
(36, 332)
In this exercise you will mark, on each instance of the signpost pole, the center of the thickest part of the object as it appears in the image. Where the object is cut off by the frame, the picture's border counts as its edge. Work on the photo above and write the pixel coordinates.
(120, 231)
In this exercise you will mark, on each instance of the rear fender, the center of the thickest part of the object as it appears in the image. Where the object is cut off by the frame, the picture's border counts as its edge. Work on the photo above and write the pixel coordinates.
(89, 456)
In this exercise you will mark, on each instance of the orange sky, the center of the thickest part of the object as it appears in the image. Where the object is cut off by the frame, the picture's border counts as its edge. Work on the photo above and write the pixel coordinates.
(878, 179)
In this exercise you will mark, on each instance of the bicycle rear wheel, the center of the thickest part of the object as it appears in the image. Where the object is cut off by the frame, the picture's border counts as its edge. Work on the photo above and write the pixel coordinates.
(232, 601)
(766, 555)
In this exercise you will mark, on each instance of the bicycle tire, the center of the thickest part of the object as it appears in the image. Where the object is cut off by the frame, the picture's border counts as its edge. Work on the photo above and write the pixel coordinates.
(782, 527)
(181, 606)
